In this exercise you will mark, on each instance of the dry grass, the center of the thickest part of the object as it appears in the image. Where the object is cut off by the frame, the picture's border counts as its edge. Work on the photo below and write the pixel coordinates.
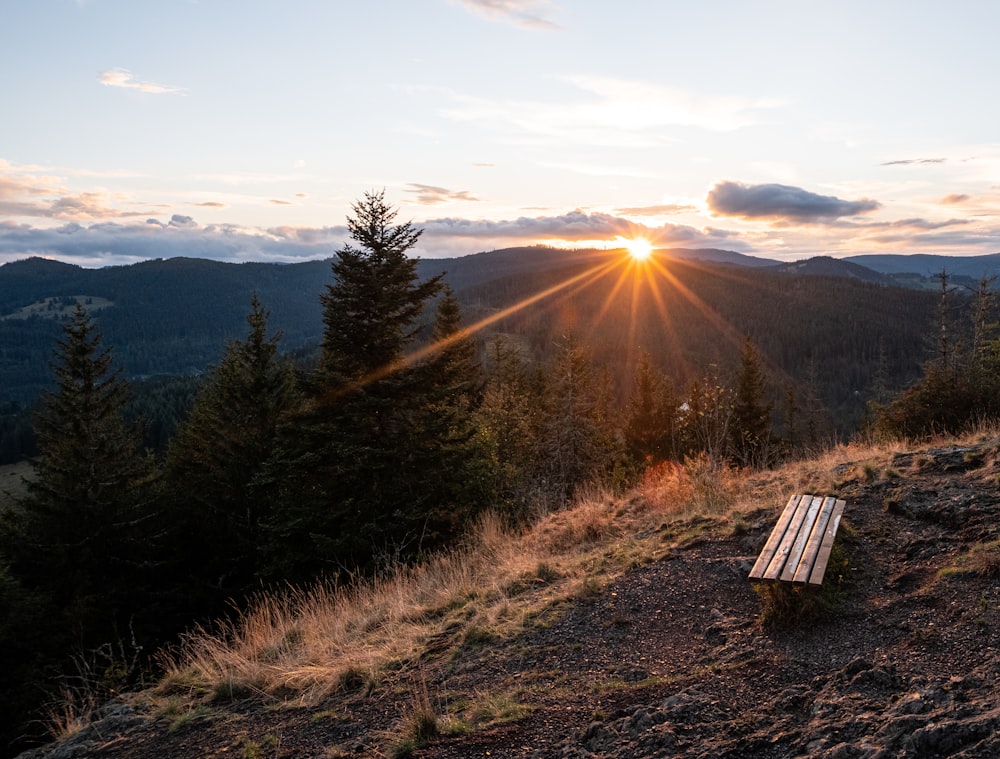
(308, 643)
(982, 559)
(70, 712)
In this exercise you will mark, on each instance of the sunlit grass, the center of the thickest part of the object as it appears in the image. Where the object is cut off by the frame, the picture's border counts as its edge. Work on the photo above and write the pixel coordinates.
(307, 643)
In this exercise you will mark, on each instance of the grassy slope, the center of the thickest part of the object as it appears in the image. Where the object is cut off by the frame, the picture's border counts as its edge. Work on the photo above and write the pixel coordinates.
(364, 652)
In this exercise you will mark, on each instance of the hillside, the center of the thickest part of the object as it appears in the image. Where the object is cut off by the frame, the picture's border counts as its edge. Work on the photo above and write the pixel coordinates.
(821, 330)
(626, 627)
(825, 266)
(927, 265)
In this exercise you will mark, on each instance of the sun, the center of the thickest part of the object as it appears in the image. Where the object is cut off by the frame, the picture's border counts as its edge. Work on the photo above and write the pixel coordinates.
(640, 249)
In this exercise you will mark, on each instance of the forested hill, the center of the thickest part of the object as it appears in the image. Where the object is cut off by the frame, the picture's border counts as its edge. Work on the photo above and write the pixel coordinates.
(829, 335)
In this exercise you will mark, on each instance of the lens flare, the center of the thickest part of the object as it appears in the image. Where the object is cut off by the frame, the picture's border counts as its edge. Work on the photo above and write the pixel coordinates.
(637, 247)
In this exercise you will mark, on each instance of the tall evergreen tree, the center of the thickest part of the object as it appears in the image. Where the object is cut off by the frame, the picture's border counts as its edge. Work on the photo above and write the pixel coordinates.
(753, 442)
(77, 545)
(507, 428)
(576, 443)
(212, 464)
(85, 520)
(651, 422)
(707, 418)
(370, 310)
(365, 468)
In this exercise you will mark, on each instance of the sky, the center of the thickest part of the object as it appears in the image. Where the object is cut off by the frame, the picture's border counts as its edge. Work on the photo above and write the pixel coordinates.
(244, 130)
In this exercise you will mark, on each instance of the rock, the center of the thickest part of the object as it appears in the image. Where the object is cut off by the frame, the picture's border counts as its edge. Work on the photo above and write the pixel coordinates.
(108, 722)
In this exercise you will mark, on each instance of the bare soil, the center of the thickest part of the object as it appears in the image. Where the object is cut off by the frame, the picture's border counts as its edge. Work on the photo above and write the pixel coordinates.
(673, 659)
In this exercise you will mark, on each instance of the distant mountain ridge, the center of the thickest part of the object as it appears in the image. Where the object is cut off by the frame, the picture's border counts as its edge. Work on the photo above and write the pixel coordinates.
(929, 265)
(826, 266)
(174, 316)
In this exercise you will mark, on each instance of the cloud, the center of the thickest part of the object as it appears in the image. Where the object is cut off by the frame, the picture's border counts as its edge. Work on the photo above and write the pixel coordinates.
(25, 195)
(428, 195)
(109, 243)
(528, 14)
(612, 111)
(666, 209)
(954, 198)
(910, 161)
(209, 204)
(276, 202)
(576, 226)
(123, 78)
(783, 203)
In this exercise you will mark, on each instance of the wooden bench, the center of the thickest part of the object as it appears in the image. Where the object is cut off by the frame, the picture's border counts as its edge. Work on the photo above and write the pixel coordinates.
(799, 546)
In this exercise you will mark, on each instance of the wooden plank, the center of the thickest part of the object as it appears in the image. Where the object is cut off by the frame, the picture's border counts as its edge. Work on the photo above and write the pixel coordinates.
(801, 538)
(804, 569)
(787, 543)
(774, 539)
(823, 557)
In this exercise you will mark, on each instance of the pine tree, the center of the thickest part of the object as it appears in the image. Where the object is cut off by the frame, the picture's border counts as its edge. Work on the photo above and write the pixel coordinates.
(707, 418)
(446, 458)
(77, 545)
(365, 471)
(753, 442)
(87, 510)
(507, 429)
(216, 456)
(651, 422)
(369, 312)
(576, 443)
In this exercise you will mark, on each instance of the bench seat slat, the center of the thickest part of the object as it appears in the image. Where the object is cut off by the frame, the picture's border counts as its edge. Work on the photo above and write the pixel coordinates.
(819, 568)
(798, 547)
(774, 540)
(816, 535)
(777, 565)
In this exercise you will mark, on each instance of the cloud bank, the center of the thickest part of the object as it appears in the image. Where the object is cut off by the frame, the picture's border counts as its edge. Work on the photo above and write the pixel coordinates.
(783, 203)
(107, 243)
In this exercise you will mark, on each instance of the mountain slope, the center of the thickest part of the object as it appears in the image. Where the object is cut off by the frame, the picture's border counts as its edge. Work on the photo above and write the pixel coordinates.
(642, 637)
(825, 266)
(823, 320)
(928, 265)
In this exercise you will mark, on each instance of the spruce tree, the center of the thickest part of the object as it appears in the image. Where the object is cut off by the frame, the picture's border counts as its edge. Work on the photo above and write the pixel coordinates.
(78, 543)
(507, 428)
(576, 443)
(370, 310)
(85, 521)
(213, 462)
(366, 469)
(753, 442)
(651, 421)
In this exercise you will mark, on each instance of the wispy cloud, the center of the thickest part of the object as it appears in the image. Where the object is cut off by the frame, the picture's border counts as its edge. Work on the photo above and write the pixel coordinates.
(25, 194)
(954, 199)
(123, 78)
(782, 203)
(666, 209)
(911, 161)
(612, 111)
(529, 14)
(429, 195)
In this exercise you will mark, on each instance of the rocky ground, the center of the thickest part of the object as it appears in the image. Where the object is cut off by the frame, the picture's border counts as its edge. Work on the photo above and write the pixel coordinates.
(672, 659)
